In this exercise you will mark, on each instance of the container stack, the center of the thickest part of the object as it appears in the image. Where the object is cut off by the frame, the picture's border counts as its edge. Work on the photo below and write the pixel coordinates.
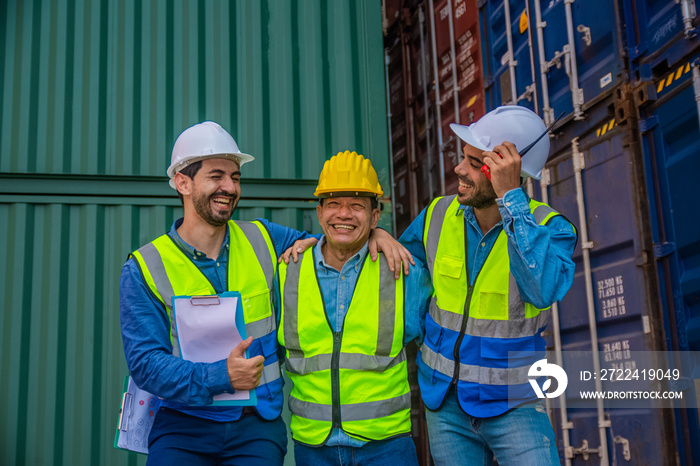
(623, 168)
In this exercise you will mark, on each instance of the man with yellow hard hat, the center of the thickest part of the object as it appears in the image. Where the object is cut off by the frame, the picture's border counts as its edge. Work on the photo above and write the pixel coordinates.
(207, 253)
(344, 323)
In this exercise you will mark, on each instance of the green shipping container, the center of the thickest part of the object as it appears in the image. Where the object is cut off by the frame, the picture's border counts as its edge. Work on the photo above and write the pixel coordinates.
(92, 96)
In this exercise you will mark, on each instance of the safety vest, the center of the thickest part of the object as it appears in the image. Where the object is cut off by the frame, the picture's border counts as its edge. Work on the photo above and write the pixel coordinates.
(169, 271)
(484, 337)
(355, 379)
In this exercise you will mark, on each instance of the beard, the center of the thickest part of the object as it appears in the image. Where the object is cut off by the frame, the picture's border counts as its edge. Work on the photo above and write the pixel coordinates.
(482, 196)
(202, 205)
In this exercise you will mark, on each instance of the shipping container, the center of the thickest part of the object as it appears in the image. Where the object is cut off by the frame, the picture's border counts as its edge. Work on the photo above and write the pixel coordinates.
(458, 78)
(625, 75)
(599, 163)
(528, 49)
(654, 31)
(92, 97)
(413, 143)
(413, 147)
(667, 89)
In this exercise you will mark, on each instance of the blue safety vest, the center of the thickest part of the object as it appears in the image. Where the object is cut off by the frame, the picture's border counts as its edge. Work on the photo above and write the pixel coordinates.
(482, 338)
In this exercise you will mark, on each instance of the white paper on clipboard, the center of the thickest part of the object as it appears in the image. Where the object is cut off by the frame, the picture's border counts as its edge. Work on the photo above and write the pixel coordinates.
(207, 332)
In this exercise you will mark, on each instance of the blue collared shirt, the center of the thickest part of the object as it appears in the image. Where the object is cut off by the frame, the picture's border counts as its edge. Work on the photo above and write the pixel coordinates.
(145, 327)
(540, 255)
(337, 288)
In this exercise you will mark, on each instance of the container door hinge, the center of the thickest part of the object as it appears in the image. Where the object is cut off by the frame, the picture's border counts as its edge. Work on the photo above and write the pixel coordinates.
(648, 124)
(664, 249)
(625, 447)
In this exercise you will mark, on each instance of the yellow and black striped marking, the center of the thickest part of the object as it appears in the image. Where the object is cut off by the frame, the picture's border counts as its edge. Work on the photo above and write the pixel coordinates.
(672, 77)
(605, 128)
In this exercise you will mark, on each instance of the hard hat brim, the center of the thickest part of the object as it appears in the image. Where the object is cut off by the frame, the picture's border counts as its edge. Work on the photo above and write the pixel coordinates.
(239, 157)
(465, 134)
(358, 193)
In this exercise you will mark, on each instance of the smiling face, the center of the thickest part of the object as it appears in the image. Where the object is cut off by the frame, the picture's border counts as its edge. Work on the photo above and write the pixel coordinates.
(347, 222)
(215, 190)
(474, 188)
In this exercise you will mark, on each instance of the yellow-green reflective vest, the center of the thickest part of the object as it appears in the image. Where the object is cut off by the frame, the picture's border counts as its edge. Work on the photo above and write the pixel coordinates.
(355, 379)
(498, 339)
(168, 271)
(495, 300)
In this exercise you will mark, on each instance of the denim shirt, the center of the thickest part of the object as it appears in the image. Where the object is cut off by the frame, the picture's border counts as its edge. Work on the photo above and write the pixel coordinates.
(540, 255)
(145, 327)
(337, 288)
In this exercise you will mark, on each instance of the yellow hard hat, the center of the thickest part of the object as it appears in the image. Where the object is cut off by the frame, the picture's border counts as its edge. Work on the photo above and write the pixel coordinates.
(348, 173)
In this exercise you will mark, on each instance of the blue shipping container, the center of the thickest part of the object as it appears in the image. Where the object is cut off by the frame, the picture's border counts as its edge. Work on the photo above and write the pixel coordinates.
(537, 36)
(671, 141)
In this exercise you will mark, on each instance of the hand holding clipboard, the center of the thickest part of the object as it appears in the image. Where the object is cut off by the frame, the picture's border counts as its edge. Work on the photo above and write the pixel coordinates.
(207, 328)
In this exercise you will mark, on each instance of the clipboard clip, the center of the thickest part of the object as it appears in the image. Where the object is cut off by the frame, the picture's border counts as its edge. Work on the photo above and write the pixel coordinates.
(205, 300)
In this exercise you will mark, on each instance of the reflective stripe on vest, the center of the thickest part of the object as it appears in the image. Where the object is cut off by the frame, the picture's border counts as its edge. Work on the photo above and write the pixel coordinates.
(251, 268)
(472, 373)
(326, 368)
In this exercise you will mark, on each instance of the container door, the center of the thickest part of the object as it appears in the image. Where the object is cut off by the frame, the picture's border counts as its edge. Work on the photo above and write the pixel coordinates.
(509, 80)
(654, 25)
(597, 50)
(624, 292)
(671, 142)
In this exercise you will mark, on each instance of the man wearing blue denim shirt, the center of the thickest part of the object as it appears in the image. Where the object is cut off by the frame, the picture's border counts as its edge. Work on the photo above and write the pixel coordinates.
(206, 253)
(344, 324)
(497, 261)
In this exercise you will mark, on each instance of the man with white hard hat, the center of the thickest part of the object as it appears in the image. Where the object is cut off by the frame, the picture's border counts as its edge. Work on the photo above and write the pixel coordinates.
(206, 253)
(497, 260)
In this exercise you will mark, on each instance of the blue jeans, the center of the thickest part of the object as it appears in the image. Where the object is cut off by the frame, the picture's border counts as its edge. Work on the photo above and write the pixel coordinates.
(522, 436)
(181, 439)
(399, 451)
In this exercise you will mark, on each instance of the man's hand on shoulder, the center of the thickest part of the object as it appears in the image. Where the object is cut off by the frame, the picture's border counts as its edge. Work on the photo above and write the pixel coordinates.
(297, 248)
(381, 241)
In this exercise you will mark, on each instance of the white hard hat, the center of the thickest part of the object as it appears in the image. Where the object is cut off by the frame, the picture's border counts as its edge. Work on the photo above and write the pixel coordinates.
(203, 141)
(511, 123)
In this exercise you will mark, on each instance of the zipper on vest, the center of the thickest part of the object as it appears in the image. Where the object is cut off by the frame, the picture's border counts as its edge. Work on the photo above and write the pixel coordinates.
(463, 329)
(462, 332)
(335, 378)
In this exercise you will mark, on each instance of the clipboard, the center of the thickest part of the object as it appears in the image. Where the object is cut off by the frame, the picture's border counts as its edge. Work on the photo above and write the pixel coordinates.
(136, 416)
(208, 328)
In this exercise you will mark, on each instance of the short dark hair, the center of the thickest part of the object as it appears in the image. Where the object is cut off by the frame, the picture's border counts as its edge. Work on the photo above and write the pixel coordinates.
(190, 171)
(374, 203)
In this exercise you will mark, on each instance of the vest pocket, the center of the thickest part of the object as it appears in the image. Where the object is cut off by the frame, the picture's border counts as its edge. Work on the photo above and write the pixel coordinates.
(450, 283)
(449, 266)
(256, 306)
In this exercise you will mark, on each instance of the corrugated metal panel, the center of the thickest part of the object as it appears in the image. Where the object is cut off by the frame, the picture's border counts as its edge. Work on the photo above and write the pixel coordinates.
(97, 87)
(60, 343)
(92, 96)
